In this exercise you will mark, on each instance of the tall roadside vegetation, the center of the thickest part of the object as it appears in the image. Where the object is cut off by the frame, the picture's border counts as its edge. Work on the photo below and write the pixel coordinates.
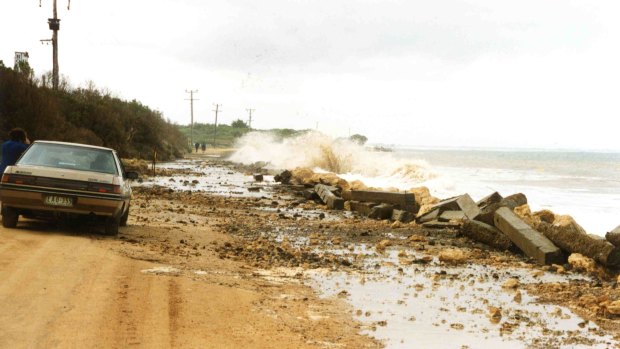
(84, 115)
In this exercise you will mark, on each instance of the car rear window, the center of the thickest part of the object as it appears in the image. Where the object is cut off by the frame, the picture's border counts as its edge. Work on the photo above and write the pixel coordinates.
(69, 157)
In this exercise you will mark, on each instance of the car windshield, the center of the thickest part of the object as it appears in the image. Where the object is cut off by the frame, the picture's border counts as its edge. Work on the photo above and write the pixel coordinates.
(69, 157)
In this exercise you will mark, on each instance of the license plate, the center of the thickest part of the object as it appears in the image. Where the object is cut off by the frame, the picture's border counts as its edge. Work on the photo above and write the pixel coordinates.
(54, 200)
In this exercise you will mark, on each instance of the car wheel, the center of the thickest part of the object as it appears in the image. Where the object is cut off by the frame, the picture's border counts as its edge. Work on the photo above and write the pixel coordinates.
(9, 217)
(125, 217)
(111, 226)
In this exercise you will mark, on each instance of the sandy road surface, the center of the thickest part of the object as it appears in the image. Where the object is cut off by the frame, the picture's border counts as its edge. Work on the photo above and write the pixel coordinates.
(78, 291)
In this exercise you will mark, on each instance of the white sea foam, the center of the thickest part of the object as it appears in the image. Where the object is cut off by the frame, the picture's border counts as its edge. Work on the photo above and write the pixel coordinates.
(320, 152)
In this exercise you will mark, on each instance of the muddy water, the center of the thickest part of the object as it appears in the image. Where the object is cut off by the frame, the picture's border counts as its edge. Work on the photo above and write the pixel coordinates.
(432, 306)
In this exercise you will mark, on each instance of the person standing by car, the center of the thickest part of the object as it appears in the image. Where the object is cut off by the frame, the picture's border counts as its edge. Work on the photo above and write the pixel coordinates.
(13, 148)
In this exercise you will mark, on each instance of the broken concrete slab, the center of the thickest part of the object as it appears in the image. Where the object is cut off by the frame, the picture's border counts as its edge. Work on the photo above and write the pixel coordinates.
(381, 211)
(571, 237)
(332, 201)
(402, 216)
(493, 198)
(486, 234)
(441, 225)
(459, 203)
(614, 236)
(362, 208)
(447, 216)
(402, 201)
(428, 216)
(533, 243)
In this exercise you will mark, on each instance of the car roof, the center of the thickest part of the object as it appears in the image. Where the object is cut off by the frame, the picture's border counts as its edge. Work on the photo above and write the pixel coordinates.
(74, 144)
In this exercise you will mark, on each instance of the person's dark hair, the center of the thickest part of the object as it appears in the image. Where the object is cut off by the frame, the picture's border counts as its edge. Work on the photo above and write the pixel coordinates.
(18, 134)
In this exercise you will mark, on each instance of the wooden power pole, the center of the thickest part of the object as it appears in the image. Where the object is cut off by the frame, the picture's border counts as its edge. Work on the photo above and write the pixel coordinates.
(217, 110)
(191, 105)
(54, 25)
(250, 118)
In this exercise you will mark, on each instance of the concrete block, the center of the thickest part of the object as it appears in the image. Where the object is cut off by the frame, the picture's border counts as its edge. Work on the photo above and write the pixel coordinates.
(489, 199)
(381, 211)
(487, 234)
(332, 201)
(447, 216)
(530, 241)
(402, 216)
(362, 208)
(402, 201)
(441, 225)
(258, 177)
(429, 216)
(459, 203)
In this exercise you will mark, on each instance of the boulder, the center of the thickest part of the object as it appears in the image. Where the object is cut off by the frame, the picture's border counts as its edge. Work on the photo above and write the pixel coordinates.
(614, 236)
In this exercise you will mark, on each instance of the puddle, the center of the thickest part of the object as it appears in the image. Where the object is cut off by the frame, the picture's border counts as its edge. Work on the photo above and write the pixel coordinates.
(424, 306)
(163, 270)
(213, 179)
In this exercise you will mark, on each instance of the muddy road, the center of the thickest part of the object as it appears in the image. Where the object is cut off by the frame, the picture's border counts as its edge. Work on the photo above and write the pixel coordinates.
(72, 288)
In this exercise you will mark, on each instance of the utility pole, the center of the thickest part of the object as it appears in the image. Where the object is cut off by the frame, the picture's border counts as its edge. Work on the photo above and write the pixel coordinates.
(191, 104)
(250, 118)
(217, 110)
(54, 25)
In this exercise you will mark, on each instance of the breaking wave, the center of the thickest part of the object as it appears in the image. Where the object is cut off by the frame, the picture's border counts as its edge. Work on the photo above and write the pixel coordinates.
(322, 153)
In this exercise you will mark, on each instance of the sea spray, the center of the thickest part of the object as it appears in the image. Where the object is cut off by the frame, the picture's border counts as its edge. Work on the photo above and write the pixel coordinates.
(322, 153)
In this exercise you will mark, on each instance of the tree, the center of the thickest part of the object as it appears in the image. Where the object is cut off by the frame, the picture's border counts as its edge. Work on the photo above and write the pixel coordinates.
(359, 139)
(239, 124)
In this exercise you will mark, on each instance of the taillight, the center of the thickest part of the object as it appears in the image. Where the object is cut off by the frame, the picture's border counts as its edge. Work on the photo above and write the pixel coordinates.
(104, 188)
(17, 179)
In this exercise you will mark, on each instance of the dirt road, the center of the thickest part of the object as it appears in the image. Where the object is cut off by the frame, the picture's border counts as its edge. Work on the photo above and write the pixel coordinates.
(68, 290)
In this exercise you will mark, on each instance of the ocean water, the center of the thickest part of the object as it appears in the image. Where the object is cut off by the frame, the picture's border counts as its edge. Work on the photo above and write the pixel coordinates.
(585, 185)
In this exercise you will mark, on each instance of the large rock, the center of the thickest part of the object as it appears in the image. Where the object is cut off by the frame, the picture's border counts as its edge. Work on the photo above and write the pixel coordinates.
(614, 236)
(486, 234)
(571, 237)
(531, 242)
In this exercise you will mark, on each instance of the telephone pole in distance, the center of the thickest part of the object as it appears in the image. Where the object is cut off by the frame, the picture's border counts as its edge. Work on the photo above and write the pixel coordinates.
(250, 118)
(191, 103)
(217, 110)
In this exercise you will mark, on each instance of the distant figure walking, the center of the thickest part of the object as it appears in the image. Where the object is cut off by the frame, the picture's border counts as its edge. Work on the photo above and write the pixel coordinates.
(196, 146)
(13, 148)
(203, 146)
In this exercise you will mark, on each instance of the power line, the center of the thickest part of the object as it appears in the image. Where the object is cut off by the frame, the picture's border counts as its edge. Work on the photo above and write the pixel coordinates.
(217, 110)
(250, 117)
(191, 103)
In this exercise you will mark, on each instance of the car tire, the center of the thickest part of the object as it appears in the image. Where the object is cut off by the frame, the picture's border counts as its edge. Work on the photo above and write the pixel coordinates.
(111, 226)
(125, 217)
(9, 217)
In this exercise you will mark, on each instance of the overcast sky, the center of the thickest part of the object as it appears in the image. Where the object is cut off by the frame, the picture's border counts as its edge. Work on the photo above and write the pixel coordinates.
(481, 73)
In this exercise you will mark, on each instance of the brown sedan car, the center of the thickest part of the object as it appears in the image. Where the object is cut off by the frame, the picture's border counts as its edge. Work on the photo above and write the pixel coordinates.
(57, 179)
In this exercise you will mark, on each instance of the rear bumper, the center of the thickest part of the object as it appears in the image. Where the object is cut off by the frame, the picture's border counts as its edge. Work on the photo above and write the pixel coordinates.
(82, 204)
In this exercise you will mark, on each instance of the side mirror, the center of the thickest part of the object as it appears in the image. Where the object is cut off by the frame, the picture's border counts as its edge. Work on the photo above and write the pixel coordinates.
(131, 175)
